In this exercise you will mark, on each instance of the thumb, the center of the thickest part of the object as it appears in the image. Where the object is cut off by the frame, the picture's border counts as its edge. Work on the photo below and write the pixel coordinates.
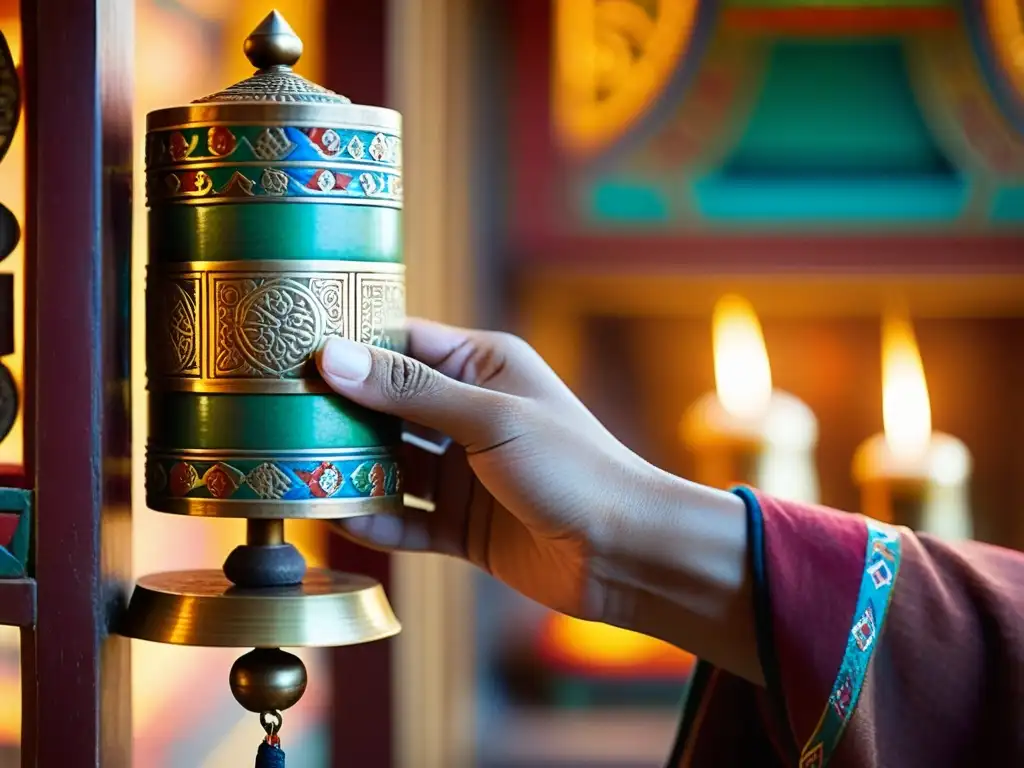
(392, 383)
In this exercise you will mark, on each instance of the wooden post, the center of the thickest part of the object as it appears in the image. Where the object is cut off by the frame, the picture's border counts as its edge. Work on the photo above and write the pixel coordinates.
(430, 75)
(78, 63)
(362, 727)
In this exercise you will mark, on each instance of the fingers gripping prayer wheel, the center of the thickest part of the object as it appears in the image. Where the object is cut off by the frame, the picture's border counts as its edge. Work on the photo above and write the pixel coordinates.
(274, 223)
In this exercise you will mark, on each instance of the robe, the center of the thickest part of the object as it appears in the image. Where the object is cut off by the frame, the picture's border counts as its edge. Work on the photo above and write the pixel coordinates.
(881, 648)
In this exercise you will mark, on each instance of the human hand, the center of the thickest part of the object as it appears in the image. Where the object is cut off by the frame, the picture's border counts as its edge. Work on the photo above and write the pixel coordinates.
(540, 495)
(533, 478)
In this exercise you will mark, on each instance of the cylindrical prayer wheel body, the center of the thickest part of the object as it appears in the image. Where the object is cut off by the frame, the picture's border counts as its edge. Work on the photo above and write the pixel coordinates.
(274, 223)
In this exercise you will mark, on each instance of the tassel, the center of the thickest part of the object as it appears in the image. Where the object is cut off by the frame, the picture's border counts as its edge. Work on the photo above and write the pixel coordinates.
(269, 756)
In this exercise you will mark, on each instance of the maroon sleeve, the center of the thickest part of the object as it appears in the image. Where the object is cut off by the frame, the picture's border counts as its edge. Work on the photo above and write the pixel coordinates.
(880, 647)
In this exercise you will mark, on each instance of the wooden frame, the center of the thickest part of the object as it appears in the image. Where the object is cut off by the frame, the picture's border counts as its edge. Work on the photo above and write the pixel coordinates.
(76, 674)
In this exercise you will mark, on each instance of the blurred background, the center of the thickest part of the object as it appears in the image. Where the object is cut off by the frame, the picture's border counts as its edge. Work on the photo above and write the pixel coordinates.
(772, 241)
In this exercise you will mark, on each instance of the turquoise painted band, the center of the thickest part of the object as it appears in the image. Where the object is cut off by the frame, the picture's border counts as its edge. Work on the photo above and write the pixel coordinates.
(274, 232)
(184, 420)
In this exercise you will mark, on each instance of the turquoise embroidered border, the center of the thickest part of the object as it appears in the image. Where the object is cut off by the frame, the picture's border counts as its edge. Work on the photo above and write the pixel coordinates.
(881, 566)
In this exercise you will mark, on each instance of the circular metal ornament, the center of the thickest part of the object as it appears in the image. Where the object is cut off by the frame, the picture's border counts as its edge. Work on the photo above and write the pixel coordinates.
(8, 401)
(10, 232)
(10, 97)
(203, 608)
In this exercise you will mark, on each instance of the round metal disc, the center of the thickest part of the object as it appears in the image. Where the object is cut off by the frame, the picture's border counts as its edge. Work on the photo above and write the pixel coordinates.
(10, 232)
(204, 608)
(8, 401)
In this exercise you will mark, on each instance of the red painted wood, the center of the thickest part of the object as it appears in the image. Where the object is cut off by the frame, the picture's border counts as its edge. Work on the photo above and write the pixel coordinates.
(533, 172)
(78, 59)
(540, 231)
(15, 475)
(362, 727)
(17, 602)
(752, 254)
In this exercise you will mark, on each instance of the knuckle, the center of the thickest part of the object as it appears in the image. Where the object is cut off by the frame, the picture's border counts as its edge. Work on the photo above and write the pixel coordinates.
(490, 358)
(404, 378)
(510, 342)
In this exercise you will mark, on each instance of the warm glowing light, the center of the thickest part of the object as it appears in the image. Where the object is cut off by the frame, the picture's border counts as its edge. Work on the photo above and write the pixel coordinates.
(906, 409)
(743, 376)
(601, 649)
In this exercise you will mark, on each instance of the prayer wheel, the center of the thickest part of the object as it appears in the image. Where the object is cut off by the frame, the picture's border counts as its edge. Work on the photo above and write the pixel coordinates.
(274, 223)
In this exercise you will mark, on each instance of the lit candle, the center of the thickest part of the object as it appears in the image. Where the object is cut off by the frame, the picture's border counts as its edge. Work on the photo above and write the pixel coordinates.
(908, 474)
(746, 431)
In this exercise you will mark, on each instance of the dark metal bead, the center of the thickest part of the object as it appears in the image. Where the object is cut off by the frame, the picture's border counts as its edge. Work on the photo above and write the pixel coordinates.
(254, 566)
(268, 679)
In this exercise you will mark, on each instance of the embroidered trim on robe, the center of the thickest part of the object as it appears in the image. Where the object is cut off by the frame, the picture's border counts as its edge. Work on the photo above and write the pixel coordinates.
(881, 567)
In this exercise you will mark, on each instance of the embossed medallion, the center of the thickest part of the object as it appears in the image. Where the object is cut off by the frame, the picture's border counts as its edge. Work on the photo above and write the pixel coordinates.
(254, 326)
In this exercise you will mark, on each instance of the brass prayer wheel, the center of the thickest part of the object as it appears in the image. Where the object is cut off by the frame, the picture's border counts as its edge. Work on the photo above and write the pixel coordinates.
(274, 223)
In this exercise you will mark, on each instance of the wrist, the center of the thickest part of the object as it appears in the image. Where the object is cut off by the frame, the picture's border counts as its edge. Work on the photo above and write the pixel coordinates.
(673, 565)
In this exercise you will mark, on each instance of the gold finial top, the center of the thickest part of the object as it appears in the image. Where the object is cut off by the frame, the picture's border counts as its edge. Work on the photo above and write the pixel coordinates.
(273, 48)
(273, 43)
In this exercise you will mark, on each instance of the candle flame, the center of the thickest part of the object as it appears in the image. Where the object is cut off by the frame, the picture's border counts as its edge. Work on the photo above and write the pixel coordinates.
(906, 408)
(743, 376)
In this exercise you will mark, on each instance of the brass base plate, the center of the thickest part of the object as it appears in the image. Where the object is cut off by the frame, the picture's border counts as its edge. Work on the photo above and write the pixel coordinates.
(204, 608)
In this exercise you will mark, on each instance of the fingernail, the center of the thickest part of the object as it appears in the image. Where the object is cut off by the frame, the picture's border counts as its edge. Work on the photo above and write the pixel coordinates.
(345, 359)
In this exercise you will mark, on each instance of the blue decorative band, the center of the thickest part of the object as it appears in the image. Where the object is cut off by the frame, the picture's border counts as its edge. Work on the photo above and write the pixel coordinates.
(266, 143)
(881, 566)
(244, 476)
(238, 164)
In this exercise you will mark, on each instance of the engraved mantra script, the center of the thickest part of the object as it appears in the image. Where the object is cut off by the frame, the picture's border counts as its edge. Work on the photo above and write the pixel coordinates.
(228, 330)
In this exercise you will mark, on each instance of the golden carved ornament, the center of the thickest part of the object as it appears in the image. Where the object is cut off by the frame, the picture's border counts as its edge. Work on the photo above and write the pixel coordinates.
(253, 327)
(1006, 25)
(612, 60)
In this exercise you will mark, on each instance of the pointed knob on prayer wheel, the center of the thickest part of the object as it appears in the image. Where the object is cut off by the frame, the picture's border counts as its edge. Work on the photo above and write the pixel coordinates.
(273, 43)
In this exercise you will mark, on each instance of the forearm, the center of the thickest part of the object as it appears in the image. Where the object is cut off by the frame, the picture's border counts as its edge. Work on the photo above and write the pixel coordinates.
(677, 568)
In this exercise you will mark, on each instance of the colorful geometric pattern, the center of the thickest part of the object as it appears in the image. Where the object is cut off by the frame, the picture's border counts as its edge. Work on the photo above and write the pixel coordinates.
(882, 564)
(15, 532)
(273, 163)
(330, 475)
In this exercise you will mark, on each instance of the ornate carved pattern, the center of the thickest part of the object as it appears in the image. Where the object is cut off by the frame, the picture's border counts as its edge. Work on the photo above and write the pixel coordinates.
(282, 478)
(174, 320)
(381, 309)
(271, 326)
(253, 327)
(211, 164)
(608, 78)
(276, 86)
(252, 143)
